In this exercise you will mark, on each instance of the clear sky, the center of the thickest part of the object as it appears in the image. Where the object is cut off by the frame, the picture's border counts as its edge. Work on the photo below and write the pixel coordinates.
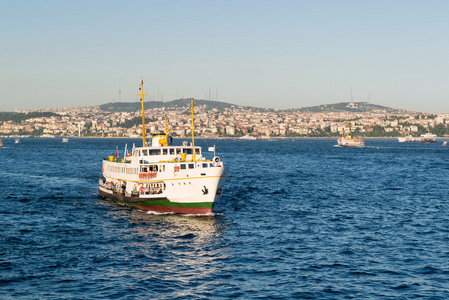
(278, 54)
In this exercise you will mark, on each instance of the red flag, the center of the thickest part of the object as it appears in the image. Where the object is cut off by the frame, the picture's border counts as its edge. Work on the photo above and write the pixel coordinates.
(116, 152)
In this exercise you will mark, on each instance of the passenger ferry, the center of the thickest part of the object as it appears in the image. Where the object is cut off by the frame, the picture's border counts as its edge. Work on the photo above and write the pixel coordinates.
(349, 141)
(164, 178)
(424, 138)
(428, 138)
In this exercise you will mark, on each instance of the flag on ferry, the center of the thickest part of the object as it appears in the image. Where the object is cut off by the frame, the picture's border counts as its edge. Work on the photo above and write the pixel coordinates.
(211, 149)
(116, 152)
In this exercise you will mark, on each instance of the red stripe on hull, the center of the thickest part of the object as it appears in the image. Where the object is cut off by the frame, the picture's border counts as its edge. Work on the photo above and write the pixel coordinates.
(177, 210)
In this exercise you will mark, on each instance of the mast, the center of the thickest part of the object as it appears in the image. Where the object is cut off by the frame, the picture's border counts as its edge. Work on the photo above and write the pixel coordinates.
(193, 129)
(166, 126)
(143, 112)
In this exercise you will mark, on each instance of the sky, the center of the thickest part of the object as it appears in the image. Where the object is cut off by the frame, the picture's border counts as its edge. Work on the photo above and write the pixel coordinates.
(273, 54)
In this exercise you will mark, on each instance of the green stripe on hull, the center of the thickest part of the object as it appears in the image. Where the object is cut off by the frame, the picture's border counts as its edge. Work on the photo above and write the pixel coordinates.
(165, 202)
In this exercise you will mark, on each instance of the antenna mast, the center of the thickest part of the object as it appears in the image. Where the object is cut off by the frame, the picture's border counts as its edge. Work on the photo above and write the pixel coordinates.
(143, 112)
(193, 129)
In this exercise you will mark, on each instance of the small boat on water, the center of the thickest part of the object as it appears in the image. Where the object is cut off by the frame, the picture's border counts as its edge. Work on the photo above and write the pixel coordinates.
(164, 178)
(65, 140)
(428, 138)
(349, 141)
(247, 138)
(1, 143)
(444, 143)
(16, 141)
(424, 138)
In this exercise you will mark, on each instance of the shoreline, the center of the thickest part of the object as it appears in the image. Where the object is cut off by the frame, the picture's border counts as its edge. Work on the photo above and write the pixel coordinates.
(199, 138)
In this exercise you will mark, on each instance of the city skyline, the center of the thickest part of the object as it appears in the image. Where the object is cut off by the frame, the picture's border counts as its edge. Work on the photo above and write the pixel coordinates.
(284, 54)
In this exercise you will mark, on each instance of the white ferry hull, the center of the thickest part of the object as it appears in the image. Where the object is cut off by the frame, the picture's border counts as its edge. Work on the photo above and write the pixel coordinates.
(191, 191)
(342, 142)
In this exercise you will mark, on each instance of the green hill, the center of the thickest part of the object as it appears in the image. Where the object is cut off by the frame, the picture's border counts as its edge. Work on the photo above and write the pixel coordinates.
(185, 103)
(349, 107)
(19, 117)
(174, 104)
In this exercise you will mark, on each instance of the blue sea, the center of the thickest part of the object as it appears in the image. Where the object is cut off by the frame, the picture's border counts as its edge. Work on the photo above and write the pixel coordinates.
(301, 219)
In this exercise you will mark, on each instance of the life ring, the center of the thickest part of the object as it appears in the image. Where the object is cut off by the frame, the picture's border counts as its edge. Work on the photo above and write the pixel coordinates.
(176, 168)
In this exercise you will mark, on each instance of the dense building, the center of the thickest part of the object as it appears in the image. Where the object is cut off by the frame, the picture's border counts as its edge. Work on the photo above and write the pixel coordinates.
(230, 121)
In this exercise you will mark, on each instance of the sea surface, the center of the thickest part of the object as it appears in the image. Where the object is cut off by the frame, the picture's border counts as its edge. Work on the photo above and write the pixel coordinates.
(301, 219)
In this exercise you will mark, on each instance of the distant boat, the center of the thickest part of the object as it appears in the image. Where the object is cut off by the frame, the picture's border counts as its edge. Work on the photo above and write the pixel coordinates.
(1, 143)
(247, 138)
(17, 141)
(349, 141)
(65, 140)
(445, 143)
(428, 138)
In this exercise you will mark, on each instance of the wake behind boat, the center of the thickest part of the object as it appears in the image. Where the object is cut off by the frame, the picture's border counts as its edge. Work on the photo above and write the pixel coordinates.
(408, 139)
(247, 138)
(163, 177)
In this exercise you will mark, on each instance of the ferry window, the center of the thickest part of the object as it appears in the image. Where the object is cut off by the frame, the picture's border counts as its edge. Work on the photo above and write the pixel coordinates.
(155, 152)
(187, 150)
(164, 151)
(172, 151)
(191, 166)
(178, 150)
(211, 165)
(183, 166)
(205, 165)
(144, 152)
(153, 168)
(197, 150)
(144, 169)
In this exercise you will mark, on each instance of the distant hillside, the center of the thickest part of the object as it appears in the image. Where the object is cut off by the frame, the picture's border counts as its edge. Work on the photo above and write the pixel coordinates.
(175, 104)
(350, 107)
(135, 106)
(19, 117)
